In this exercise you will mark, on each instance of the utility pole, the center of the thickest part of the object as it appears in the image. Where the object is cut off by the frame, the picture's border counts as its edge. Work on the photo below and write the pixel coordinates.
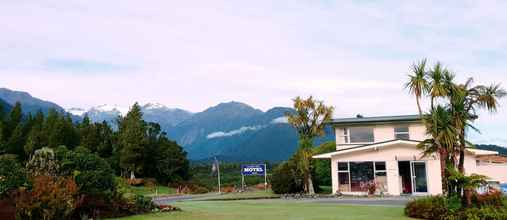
(216, 166)
(218, 170)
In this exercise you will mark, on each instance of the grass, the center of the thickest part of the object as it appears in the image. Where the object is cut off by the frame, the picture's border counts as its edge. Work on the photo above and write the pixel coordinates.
(273, 209)
(162, 190)
(257, 194)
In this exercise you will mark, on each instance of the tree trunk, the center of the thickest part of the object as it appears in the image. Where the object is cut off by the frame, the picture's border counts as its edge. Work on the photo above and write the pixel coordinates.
(467, 198)
(443, 164)
(461, 164)
(132, 176)
(418, 106)
(311, 190)
(432, 102)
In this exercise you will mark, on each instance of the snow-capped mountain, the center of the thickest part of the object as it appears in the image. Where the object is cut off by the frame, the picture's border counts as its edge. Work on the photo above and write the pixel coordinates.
(166, 117)
(110, 109)
(76, 111)
(152, 112)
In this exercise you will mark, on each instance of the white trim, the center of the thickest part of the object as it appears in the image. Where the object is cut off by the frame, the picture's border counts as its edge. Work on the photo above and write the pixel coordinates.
(480, 152)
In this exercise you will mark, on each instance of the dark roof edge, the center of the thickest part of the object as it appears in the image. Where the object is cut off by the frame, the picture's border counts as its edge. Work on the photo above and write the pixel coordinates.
(375, 120)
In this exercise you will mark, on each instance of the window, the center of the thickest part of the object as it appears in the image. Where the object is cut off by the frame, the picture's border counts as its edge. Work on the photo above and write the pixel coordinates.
(343, 177)
(361, 174)
(380, 177)
(356, 176)
(343, 166)
(360, 135)
(346, 137)
(401, 133)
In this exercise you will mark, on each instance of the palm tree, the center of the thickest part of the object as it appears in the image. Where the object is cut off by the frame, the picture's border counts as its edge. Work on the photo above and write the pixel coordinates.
(437, 85)
(418, 84)
(443, 138)
(465, 101)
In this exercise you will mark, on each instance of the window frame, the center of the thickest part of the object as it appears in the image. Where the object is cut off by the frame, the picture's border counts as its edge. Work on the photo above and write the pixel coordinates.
(375, 171)
(396, 133)
(347, 135)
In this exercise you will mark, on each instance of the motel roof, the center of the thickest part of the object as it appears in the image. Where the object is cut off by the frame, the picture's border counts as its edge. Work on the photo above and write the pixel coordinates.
(375, 120)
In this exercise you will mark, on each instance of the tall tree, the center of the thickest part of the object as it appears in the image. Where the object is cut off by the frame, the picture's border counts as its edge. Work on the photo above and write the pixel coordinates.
(443, 138)
(132, 138)
(37, 138)
(448, 125)
(418, 84)
(309, 121)
(13, 120)
(437, 86)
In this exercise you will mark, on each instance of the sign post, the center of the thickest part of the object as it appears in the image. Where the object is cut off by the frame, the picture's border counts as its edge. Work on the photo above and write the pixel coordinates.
(254, 170)
(216, 168)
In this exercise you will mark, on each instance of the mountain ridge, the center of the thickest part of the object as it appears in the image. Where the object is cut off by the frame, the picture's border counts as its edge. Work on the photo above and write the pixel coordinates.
(30, 104)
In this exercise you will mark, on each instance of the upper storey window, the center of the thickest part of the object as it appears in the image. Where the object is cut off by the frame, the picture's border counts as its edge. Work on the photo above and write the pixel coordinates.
(358, 135)
(401, 133)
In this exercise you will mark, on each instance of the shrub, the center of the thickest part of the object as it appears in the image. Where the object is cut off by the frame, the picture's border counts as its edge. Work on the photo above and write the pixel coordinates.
(486, 213)
(43, 163)
(491, 198)
(199, 189)
(92, 174)
(143, 204)
(439, 207)
(12, 174)
(50, 198)
(427, 208)
(285, 179)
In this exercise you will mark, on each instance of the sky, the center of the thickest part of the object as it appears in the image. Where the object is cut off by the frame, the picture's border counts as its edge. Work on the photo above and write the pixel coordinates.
(352, 55)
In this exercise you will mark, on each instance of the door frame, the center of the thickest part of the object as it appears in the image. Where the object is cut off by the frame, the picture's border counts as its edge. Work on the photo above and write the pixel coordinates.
(413, 177)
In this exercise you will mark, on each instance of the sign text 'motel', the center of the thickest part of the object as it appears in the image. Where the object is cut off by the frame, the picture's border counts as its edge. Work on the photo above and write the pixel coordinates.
(253, 169)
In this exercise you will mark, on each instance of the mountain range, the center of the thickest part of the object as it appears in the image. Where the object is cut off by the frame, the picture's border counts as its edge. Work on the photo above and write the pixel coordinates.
(232, 131)
(29, 103)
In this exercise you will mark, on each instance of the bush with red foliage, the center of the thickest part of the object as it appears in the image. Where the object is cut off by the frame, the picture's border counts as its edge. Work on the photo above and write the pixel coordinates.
(492, 198)
(49, 198)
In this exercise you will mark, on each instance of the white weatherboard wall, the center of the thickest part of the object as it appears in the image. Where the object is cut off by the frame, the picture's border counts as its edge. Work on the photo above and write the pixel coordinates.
(381, 133)
(390, 154)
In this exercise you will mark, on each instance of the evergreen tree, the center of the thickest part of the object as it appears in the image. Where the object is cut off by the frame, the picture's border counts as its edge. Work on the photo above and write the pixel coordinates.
(105, 146)
(13, 120)
(37, 138)
(132, 140)
(16, 142)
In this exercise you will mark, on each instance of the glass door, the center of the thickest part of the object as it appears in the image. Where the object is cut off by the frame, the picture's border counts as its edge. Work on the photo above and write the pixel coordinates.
(419, 180)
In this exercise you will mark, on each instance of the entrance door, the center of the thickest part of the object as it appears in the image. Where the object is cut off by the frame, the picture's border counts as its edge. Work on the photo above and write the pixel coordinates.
(405, 172)
(419, 179)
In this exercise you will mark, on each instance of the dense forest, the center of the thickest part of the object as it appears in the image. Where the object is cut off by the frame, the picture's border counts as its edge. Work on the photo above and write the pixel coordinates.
(136, 147)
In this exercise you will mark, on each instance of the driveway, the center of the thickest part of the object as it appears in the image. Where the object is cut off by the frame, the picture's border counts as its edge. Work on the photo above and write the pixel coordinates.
(385, 201)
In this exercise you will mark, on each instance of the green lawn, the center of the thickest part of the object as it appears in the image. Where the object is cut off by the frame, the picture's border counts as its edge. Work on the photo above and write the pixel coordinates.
(257, 194)
(162, 190)
(273, 209)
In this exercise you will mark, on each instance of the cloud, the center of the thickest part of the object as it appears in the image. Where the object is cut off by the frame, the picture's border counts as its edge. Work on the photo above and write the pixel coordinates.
(280, 120)
(354, 55)
(220, 134)
(78, 65)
